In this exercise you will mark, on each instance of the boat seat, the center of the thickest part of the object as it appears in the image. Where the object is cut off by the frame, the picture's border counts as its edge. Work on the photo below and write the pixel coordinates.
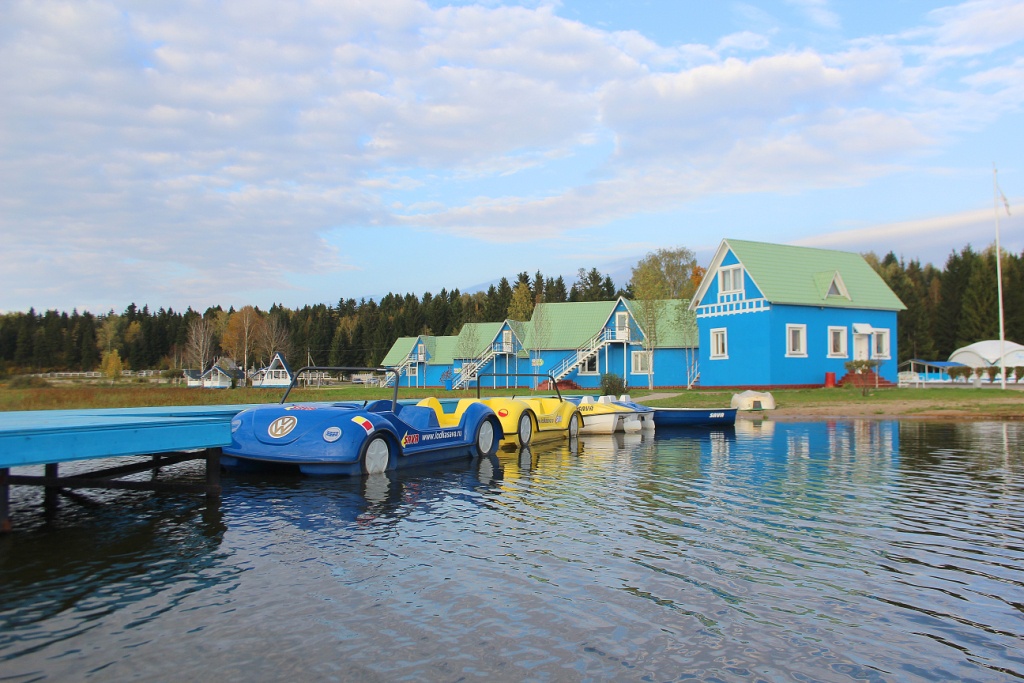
(604, 399)
(420, 417)
(587, 399)
(381, 405)
(443, 419)
(433, 403)
(625, 398)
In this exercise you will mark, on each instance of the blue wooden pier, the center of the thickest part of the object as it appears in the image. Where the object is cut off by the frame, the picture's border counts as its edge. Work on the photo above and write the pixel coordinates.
(168, 435)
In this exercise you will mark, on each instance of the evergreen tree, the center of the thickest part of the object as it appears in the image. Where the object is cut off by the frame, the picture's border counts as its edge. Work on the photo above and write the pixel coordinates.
(946, 325)
(504, 300)
(979, 314)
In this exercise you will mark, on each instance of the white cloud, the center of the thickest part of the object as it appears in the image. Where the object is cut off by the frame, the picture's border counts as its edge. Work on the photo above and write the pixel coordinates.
(166, 148)
(929, 240)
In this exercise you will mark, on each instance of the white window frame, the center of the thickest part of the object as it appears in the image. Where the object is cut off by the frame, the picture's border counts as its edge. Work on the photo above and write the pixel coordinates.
(880, 344)
(801, 351)
(843, 351)
(734, 275)
(597, 366)
(412, 369)
(719, 343)
(639, 361)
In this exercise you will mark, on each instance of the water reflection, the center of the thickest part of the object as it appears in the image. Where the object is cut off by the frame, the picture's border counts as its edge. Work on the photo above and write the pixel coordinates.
(827, 551)
(62, 578)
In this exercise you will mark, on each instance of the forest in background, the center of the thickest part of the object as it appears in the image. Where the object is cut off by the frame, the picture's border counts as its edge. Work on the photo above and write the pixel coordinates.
(946, 308)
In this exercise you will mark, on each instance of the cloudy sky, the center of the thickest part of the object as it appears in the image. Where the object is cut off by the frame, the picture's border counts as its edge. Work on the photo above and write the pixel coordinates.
(206, 152)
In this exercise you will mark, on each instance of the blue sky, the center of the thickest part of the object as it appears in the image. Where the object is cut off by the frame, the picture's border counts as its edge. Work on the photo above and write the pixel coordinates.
(220, 152)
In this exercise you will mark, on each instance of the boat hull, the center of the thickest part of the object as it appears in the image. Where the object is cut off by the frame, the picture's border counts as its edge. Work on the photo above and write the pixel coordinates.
(694, 417)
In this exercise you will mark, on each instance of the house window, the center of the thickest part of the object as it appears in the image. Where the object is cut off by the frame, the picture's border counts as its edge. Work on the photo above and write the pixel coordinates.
(640, 361)
(719, 343)
(881, 345)
(796, 341)
(730, 279)
(837, 342)
(589, 366)
(412, 370)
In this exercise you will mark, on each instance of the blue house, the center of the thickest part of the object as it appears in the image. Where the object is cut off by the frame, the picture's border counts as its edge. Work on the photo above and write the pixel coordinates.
(771, 315)
(648, 344)
(490, 349)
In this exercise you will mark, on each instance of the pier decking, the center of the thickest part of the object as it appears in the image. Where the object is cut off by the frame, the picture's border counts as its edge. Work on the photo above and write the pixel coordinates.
(169, 435)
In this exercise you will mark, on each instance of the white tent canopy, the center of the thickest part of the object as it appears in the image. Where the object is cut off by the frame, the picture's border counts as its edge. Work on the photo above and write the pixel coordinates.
(986, 353)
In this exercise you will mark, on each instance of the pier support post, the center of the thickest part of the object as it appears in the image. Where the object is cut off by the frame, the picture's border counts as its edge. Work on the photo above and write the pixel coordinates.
(50, 491)
(212, 473)
(5, 499)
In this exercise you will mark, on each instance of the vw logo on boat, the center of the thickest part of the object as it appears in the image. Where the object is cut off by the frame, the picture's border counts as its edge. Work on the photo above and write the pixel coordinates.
(332, 434)
(282, 426)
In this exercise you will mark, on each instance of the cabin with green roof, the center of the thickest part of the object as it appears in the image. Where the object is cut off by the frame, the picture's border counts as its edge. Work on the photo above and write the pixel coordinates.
(771, 315)
(646, 343)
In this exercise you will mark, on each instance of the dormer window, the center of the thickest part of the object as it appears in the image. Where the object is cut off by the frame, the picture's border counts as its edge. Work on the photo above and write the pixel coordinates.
(730, 280)
(836, 287)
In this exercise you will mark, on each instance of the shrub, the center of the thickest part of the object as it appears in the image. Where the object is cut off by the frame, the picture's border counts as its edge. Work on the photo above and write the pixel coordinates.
(1018, 372)
(612, 384)
(27, 382)
(992, 371)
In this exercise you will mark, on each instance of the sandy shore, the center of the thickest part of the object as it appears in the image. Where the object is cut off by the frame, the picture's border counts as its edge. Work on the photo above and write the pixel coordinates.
(1012, 409)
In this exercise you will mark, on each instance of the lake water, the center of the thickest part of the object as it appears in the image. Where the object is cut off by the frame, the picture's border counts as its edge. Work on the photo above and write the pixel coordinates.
(826, 551)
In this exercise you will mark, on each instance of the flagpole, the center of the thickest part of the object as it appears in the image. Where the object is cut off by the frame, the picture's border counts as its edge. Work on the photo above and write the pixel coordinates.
(999, 280)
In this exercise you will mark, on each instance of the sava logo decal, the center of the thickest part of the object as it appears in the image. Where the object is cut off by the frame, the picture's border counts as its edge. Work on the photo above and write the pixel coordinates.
(716, 414)
(282, 426)
(300, 408)
(410, 439)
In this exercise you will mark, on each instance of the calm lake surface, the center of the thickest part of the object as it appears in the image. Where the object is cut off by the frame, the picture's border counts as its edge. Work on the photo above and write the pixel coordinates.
(827, 551)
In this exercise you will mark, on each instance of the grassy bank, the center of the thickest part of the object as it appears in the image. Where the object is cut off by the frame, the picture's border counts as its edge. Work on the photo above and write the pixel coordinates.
(939, 402)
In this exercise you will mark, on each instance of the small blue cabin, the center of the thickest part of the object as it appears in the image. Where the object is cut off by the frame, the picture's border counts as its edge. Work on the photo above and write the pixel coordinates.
(771, 315)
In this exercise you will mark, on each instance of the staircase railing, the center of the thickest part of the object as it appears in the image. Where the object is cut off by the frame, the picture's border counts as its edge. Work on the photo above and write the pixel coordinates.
(403, 368)
(470, 368)
(580, 355)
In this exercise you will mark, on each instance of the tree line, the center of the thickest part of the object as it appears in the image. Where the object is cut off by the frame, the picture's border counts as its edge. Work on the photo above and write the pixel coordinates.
(946, 308)
(351, 332)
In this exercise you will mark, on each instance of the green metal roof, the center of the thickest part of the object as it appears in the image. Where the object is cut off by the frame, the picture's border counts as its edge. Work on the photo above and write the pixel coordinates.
(442, 350)
(802, 276)
(566, 325)
(399, 351)
(474, 338)
(677, 324)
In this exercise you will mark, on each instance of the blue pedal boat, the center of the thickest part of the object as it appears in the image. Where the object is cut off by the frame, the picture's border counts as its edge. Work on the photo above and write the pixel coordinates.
(352, 438)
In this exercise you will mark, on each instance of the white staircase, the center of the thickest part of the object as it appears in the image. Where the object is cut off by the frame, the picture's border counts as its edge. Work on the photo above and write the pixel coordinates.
(402, 369)
(471, 368)
(583, 353)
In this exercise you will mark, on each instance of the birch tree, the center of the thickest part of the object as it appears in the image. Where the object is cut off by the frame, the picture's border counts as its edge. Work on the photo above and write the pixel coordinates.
(239, 337)
(199, 343)
(661, 275)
